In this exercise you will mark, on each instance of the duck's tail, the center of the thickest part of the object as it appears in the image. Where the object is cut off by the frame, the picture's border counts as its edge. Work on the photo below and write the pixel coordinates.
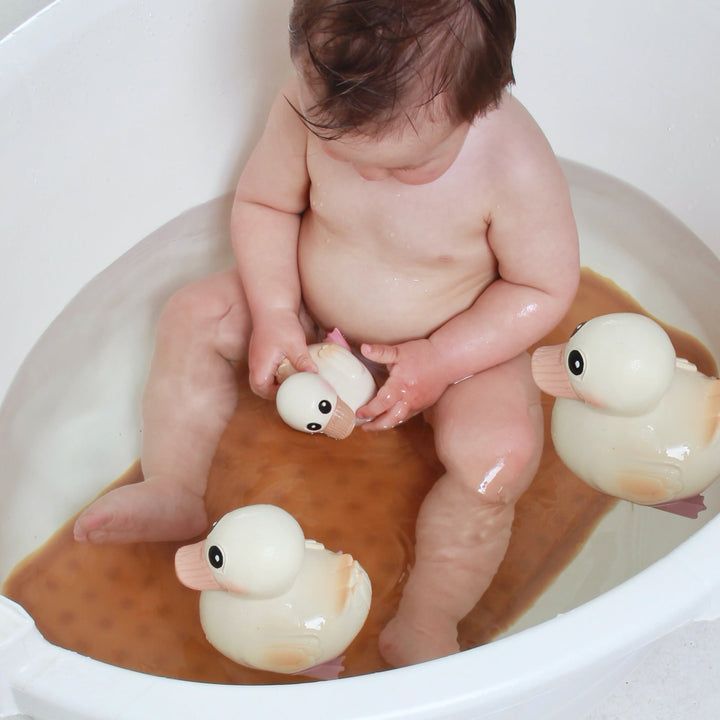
(687, 507)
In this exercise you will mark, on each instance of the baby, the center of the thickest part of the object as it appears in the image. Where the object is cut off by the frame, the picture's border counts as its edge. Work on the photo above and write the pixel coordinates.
(401, 194)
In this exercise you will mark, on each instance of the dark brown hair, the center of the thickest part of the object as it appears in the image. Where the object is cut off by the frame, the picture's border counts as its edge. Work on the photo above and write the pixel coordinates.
(370, 62)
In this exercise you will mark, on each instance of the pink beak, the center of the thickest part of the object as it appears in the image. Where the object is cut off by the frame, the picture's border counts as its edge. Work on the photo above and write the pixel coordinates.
(550, 374)
(192, 569)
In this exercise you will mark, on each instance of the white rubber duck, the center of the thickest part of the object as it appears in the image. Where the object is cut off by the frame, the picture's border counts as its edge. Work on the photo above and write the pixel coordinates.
(630, 418)
(272, 600)
(325, 402)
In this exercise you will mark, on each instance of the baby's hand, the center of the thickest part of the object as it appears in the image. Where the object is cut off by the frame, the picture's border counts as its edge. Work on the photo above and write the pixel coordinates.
(277, 337)
(416, 382)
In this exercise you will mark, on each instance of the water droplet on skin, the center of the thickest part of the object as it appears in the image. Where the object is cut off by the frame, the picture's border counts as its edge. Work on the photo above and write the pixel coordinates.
(528, 310)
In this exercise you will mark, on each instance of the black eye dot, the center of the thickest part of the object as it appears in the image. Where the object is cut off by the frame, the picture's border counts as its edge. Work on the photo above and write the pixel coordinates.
(577, 328)
(215, 557)
(324, 406)
(313, 427)
(576, 363)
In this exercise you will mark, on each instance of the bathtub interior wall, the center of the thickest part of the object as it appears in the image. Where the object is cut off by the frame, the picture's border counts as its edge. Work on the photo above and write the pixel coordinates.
(610, 89)
(121, 115)
(70, 422)
(117, 116)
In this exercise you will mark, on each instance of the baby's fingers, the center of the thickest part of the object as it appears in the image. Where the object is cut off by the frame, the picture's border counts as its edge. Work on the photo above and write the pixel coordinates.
(397, 414)
(382, 406)
(302, 361)
(384, 354)
(381, 403)
(263, 384)
(264, 378)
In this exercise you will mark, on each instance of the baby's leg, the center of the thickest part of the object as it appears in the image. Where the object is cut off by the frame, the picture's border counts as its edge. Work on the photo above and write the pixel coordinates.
(488, 435)
(189, 398)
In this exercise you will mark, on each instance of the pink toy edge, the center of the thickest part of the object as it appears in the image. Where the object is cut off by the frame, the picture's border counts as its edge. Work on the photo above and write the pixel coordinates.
(686, 507)
(335, 336)
(329, 670)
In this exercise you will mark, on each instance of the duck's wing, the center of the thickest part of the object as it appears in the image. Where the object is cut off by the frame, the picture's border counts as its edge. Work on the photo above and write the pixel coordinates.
(645, 481)
(351, 586)
(703, 400)
(288, 653)
(338, 358)
(348, 375)
(336, 580)
(712, 412)
(649, 483)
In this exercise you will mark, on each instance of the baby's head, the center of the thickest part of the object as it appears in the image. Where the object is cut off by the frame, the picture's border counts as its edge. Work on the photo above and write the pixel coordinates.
(374, 65)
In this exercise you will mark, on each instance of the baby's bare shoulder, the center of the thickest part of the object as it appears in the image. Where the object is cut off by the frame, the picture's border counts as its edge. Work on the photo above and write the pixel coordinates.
(531, 206)
(514, 152)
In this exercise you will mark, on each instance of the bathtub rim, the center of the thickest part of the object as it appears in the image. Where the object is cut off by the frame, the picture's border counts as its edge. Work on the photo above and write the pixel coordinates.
(506, 673)
(711, 593)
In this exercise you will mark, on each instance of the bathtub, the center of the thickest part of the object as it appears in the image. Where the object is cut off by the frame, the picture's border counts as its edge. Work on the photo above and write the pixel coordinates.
(118, 116)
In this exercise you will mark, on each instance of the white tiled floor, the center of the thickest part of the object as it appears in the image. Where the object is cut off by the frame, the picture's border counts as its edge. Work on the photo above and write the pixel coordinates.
(679, 678)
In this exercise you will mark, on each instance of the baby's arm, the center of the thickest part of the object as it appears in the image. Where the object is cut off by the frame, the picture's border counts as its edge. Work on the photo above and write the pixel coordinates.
(270, 198)
(533, 235)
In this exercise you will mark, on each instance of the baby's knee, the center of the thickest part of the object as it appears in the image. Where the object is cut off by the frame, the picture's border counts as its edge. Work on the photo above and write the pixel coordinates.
(213, 307)
(194, 303)
(497, 461)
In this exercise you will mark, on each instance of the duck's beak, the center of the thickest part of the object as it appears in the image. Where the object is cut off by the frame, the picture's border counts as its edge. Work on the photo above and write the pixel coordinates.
(549, 372)
(342, 422)
(192, 569)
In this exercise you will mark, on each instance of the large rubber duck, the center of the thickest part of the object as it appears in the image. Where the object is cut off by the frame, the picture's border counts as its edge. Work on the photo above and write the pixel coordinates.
(631, 419)
(326, 401)
(272, 600)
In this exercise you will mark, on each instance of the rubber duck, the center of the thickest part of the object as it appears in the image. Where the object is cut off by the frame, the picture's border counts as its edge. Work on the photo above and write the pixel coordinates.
(631, 419)
(272, 600)
(326, 401)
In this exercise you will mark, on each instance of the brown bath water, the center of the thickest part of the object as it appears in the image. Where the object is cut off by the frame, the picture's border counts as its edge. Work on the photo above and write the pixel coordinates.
(123, 605)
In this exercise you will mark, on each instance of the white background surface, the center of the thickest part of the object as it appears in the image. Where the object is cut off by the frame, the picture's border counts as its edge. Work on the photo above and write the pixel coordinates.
(679, 676)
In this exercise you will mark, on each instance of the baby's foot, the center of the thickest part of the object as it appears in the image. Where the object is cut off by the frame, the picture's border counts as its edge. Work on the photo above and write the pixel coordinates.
(152, 510)
(403, 642)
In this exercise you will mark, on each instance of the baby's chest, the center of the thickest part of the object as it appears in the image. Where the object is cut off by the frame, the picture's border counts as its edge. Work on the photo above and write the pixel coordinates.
(439, 214)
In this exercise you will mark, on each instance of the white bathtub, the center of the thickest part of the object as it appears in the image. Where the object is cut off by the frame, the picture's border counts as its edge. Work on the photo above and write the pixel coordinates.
(118, 116)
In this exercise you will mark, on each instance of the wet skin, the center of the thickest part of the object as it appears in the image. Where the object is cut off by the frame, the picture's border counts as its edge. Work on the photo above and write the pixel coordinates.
(441, 250)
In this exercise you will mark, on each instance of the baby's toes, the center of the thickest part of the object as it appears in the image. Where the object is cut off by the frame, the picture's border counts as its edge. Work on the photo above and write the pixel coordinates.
(401, 643)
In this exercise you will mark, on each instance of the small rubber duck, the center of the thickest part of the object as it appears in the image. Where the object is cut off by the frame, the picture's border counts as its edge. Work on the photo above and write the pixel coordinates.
(272, 600)
(631, 419)
(326, 401)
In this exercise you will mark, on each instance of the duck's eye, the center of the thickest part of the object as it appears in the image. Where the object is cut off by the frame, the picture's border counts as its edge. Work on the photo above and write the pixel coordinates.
(576, 363)
(215, 557)
(324, 406)
(577, 328)
(313, 427)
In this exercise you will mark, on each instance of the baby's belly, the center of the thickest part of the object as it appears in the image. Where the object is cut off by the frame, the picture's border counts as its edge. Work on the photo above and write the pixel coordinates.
(373, 300)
